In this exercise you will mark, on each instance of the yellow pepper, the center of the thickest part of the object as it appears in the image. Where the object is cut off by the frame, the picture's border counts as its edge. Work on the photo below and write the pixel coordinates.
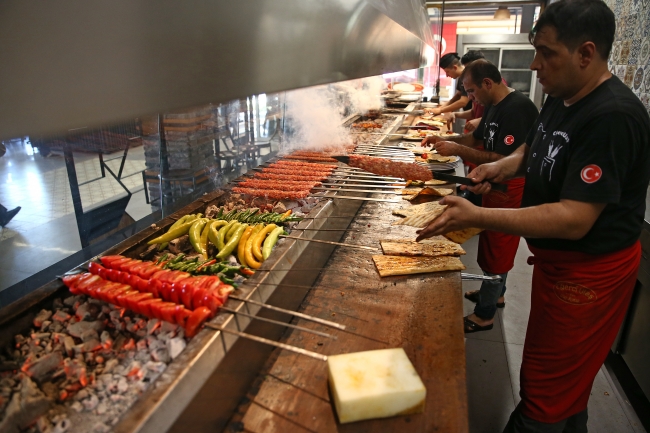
(248, 249)
(259, 238)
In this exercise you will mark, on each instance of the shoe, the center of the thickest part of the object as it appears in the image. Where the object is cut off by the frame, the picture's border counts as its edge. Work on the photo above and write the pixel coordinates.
(471, 326)
(473, 296)
(8, 216)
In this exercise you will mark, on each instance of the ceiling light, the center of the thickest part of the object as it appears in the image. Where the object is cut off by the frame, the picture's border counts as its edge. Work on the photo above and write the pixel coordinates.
(502, 13)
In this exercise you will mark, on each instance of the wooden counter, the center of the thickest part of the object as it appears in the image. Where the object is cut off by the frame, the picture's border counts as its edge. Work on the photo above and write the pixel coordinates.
(421, 313)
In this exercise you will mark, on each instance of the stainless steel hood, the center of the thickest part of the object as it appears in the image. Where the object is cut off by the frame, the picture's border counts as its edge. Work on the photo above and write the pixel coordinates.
(73, 63)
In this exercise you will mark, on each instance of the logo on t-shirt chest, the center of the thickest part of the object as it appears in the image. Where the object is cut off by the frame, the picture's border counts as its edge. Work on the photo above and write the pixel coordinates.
(559, 140)
(509, 140)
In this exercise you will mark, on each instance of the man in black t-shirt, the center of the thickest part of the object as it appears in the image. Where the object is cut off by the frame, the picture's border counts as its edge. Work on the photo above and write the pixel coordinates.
(587, 168)
(508, 116)
(450, 63)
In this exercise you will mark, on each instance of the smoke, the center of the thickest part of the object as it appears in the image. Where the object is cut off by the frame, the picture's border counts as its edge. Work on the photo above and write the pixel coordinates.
(315, 115)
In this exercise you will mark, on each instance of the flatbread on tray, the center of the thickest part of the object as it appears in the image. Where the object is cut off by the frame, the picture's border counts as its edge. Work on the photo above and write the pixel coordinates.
(461, 236)
(400, 265)
(420, 215)
(426, 248)
(430, 191)
(420, 183)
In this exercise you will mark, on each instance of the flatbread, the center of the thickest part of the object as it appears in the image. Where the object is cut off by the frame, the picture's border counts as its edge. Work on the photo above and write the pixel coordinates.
(431, 191)
(435, 182)
(461, 236)
(420, 183)
(410, 191)
(422, 217)
(400, 265)
(434, 207)
(430, 248)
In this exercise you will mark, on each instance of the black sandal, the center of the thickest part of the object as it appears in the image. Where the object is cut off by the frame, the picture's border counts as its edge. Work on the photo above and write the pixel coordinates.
(473, 296)
(471, 326)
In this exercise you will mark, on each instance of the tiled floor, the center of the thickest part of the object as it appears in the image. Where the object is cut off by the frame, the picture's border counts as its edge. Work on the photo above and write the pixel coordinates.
(494, 359)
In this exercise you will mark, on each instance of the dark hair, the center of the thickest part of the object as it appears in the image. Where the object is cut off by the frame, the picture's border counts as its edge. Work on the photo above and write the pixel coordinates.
(449, 59)
(579, 21)
(480, 69)
(470, 56)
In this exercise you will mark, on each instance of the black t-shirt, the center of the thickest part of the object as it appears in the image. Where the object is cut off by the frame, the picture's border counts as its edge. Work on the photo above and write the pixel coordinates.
(461, 88)
(597, 151)
(504, 126)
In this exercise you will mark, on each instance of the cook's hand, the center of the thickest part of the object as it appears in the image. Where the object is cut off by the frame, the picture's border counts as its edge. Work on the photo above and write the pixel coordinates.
(431, 141)
(471, 125)
(447, 148)
(460, 214)
(436, 111)
(482, 175)
(450, 118)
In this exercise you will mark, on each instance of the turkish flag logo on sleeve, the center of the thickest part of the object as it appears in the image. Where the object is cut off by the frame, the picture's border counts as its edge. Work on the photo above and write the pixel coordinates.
(509, 140)
(591, 173)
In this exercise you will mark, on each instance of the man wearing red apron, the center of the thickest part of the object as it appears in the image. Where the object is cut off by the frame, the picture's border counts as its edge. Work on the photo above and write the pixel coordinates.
(508, 117)
(586, 164)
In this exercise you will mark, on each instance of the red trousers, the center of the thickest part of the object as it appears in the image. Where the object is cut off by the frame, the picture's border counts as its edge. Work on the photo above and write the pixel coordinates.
(496, 250)
(578, 303)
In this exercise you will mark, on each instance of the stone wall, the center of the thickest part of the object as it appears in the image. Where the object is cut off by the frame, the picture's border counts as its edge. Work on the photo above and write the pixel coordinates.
(630, 57)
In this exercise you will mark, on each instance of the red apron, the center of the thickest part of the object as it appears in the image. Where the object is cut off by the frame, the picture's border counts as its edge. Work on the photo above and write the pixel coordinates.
(578, 303)
(496, 250)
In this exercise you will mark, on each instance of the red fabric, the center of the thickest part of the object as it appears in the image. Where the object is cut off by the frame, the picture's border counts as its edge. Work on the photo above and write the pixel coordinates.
(496, 250)
(578, 303)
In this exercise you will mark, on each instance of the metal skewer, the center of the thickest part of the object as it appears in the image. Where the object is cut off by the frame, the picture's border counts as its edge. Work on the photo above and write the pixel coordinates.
(293, 313)
(318, 188)
(346, 197)
(365, 186)
(276, 322)
(361, 247)
(269, 342)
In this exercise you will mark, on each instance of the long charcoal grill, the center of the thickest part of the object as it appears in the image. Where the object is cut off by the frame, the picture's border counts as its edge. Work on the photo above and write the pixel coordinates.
(208, 352)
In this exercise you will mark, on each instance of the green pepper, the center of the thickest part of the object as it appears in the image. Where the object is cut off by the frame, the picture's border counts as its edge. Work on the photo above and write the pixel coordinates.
(231, 231)
(233, 242)
(225, 279)
(213, 233)
(178, 258)
(177, 232)
(195, 234)
(270, 241)
(221, 243)
(162, 259)
(204, 240)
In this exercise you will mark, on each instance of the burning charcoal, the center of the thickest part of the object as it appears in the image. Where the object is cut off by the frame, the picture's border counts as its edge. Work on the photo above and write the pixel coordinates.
(61, 316)
(19, 340)
(141, 345)
(88, 335)
(76, 406)
(56, 327)
(175, 346)
(62, 426)
(58, 303)
(45, 325)
(91, 402)
(152, 325)
(88, 346)
(41, 317)
(160, 355)
(116, 398)
(102, 408)
(75, 371)
(82, 394)
(25, 407)
(78, 328)
(37, 369)
(154, 369)
(279, 208)
(180, 245)
(135, 371)
(68, 343)
(100, 427)
(41, 335)
(87, 311)
(168, 328)
(122, 385)
(43, 425)
(110, 365)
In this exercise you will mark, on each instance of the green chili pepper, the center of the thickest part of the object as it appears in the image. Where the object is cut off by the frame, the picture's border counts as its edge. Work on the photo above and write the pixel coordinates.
(221, 243)
(213, 233)
(231, 231)
(195, 234)
(233, 242)
(270, 242)
(162, 259)
(172, 234)
(225, 279)
(178, 258)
